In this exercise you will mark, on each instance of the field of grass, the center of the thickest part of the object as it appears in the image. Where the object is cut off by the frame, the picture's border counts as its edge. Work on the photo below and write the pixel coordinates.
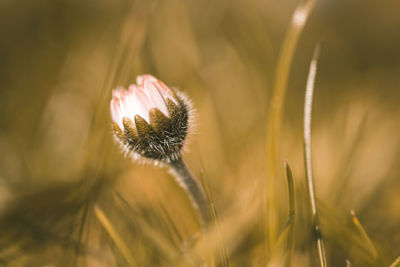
(69, 196)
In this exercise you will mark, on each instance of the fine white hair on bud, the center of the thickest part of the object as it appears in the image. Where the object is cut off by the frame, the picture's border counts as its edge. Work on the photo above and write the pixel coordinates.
(150, 120)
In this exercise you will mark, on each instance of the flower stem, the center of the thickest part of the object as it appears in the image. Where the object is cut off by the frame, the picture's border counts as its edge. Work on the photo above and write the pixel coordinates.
(193, 188)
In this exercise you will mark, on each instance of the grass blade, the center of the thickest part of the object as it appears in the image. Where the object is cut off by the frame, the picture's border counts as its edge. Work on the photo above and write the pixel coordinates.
(307, 153)
(289, 45)
(396, 263)
(290, 221)
(119, 242)
(364, 235)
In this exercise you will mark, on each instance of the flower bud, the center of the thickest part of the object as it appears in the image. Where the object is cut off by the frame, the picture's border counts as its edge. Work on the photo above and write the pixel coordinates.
(150, 120)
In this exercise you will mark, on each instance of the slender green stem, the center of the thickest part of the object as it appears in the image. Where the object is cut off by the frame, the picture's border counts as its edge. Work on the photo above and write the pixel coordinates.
(307, 154)
(193, 188)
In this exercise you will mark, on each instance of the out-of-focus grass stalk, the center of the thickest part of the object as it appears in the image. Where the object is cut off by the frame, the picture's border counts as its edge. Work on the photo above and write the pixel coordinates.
(298, 21)
(290, 221)
(80, 232)
(119, 242)
(364, 235)
(224, 261)
(235, 222)
(347, 163)
(307, 153)
(123, 53)
(283, 246)
(152, 236)
(396, 263)
(348, 263)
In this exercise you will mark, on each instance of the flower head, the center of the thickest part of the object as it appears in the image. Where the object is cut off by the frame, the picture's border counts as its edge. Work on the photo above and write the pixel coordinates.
(150, 119)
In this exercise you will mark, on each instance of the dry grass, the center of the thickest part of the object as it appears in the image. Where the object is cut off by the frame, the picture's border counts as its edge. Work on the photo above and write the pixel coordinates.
(69, 198)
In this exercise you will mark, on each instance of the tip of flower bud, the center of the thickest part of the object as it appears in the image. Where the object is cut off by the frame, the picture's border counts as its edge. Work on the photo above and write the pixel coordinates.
(150, 120)
(145, 77)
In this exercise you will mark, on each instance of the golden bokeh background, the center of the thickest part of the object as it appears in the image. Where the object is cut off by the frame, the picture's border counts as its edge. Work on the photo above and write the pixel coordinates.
(62, 177)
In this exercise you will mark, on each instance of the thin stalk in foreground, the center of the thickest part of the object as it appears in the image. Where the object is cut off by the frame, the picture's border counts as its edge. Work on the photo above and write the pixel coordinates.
(396, 263)
(193, 188)
(290, 221)
(364, 235)
(307, 153)
(289, 177)
(287, 231)
(115, 236)
(298, 21)
(224, 261)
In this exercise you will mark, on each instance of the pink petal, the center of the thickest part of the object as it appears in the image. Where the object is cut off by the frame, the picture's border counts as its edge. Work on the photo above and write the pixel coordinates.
(163, 87)
(118, 92)
(146, 77)
(155, 97)
(164, 91)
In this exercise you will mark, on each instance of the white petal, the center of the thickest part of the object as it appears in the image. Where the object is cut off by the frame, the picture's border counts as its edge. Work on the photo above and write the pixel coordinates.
(143, 102)
(138, 108)
(155, 97)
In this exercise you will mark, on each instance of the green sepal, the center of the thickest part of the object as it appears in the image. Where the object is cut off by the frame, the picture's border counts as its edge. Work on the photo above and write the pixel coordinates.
(130, 130)
(172, 107)
(144, 129)
(118, 132)
(158, 121)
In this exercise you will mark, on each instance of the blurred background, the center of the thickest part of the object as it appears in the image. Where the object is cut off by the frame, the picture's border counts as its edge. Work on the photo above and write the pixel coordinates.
(69, 197)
